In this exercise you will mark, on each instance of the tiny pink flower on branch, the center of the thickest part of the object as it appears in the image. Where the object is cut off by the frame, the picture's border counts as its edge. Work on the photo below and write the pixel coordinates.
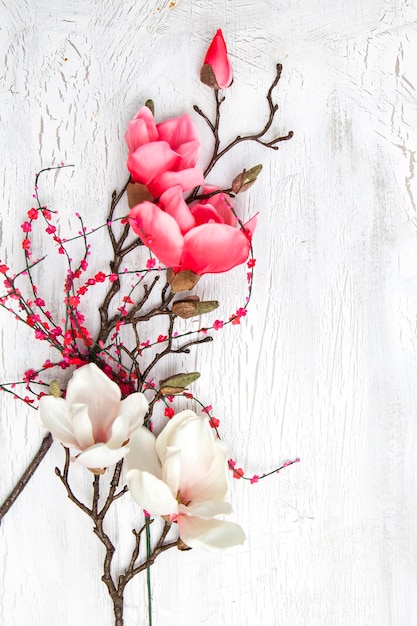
(163, 155)
(93, 418)
(217, 69)
(182, 474)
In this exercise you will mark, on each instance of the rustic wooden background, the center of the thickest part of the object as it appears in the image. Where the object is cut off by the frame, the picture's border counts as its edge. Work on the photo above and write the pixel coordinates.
(323, 367)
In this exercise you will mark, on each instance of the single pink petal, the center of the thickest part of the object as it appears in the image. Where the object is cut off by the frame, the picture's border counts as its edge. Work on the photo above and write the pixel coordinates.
(159, 231)
(151, 160)
(250, 225)
(187, 179)
(219, 62)
(205, 213)
(141, 129)
(189, 153)
(177, 131)
(223, 204)
(174, 204)
(214, 248)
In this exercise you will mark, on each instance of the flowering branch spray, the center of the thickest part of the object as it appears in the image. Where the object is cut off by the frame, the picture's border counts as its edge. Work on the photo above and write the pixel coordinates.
(105, 414)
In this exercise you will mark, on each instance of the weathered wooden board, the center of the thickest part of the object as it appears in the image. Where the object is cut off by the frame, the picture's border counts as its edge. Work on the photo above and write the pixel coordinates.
(324, 365)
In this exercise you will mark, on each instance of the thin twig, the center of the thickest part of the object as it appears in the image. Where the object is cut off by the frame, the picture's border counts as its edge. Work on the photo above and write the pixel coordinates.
(27, 475)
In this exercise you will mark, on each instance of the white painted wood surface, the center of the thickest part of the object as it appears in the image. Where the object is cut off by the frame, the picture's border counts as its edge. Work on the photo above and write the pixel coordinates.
(324, 365)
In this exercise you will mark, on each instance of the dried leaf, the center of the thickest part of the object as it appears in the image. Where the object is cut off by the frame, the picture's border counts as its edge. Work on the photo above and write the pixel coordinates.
(208, 77)
(185, 310)
(245, 179)
(181, 380)
(171, 391)
(137, 193)
(192, 308)
(183, 281)
(97, 471)
(207, 306)
(55, 389)
(151, 106)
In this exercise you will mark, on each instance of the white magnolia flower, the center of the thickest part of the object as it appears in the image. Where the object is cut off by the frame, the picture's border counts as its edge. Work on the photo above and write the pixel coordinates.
(182, 474)
(92, 418)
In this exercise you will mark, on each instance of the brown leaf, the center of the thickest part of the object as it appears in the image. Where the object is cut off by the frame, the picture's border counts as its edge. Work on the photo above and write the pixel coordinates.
(185, 310)
(245, 179)
(137, 193)
(183, 281)
(208, 77)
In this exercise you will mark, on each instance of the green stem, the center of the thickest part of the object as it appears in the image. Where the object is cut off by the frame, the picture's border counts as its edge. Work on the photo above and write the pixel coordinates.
(148, 574)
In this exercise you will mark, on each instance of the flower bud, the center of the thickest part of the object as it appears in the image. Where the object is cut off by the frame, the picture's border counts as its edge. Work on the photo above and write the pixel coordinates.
(187, 308)
(245, 179)
(217, 69)
(177, 383)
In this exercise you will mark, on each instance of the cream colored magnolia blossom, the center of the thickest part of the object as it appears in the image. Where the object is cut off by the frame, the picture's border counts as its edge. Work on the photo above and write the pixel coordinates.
(182, 474)
(93, 418)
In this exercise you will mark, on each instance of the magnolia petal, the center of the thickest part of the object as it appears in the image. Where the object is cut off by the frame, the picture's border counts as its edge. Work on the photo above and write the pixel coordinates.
(214, 248)
(101, 456)
(186, 178)
(82, 426)
(205, 213)
(166, 436)
(53, 416)
(142, 452)
(211, 534)
(222, 203)
(141, 129)
(212, 484)
(205, 509)
(177, 131)
(151, 493)
(218, 60)
(192, 435)
(189, 153)
(119, 432)
(174, 204)
(250, 225)
(171, 470)
(159, 231)
(90, 386)
(134, 407)
(150, 161)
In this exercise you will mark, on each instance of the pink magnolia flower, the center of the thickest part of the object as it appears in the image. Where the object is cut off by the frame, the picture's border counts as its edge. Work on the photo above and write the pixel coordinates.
(204, 238)
(93, 418)
(217, 59)
(182, 474)
(163, 155)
